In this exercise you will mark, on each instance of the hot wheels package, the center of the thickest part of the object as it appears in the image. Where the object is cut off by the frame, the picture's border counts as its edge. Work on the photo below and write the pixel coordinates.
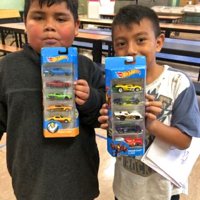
(125, 93)
(59, 70)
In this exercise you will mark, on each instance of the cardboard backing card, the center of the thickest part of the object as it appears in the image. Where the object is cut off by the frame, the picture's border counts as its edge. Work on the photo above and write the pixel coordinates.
(59, 71)
(125, 93)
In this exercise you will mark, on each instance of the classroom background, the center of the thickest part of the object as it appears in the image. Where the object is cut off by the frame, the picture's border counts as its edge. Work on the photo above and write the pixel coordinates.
(180, 19)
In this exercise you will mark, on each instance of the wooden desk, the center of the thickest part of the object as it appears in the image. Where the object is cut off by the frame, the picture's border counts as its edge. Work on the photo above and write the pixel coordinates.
(185, 28)
(17, 28)
(91, 37)
(170, 18)
(98, 22)
(168, 12)
(167, 27)
(7, 14)
(167, 18)
(181, 47)
(107, 16)
(96, 40)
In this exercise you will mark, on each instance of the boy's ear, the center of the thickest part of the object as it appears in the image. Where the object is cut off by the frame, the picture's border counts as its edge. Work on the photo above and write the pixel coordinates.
(160, 42)
(25, 27)
(77, 24)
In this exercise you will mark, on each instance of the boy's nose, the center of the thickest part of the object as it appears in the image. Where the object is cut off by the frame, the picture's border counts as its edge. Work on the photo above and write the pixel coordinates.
(48, 28)
(49, 25)
(132, 50)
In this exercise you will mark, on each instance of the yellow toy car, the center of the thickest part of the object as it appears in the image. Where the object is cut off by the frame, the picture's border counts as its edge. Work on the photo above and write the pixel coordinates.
(127, 88)
(60, 118)
(60, 107)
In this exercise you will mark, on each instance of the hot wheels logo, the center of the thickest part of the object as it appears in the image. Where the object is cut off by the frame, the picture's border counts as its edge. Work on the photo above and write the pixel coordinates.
(57, 58)
(128, 73)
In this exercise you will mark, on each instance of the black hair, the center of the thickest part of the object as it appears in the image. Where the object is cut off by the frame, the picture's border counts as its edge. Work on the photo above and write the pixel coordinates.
(131, 14)
(71, 4)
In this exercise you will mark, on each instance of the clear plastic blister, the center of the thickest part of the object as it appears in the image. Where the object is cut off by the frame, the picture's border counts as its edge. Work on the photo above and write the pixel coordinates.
(59, 71)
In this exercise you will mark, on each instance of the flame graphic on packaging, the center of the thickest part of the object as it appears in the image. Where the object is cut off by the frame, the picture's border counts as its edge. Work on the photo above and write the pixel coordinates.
(128, 73)
(57, 58)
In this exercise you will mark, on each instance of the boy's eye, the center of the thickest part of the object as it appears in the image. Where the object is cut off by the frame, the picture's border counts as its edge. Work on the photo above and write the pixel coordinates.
(37, 17)
(120, 44)
(61, 19)
(141, 40)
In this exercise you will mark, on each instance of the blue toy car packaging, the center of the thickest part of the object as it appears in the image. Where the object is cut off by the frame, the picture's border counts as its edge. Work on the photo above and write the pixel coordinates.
(125, 94)
(59, 70)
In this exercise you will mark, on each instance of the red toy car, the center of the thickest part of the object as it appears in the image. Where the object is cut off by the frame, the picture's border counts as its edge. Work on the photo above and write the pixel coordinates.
(132, 142)
(58, 84)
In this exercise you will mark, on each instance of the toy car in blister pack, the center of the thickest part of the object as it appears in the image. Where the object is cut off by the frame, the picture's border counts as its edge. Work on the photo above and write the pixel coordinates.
(59, 70)
(125, 93)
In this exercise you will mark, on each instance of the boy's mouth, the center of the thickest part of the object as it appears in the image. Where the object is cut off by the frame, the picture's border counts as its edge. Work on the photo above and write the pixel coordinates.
(50, 41)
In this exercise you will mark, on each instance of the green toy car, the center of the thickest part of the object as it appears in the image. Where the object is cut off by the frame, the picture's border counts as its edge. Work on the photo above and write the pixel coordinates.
(59, 96)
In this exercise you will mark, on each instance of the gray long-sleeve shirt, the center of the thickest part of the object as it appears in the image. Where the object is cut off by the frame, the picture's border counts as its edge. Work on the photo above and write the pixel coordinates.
(41, 168)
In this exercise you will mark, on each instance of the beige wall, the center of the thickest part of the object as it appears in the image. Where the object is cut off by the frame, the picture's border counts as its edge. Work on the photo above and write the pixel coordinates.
(12, 4)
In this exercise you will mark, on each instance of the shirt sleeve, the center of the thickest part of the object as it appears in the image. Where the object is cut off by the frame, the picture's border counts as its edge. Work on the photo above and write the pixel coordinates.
(185, 112)
(89, 111)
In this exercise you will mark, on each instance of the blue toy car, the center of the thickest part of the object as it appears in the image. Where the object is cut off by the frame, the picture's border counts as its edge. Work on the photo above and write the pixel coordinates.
(57, 71)
(128, 128)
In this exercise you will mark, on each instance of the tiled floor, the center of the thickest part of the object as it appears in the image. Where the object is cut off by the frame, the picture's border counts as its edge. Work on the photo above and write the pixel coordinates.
(106, 171)
(105, 174)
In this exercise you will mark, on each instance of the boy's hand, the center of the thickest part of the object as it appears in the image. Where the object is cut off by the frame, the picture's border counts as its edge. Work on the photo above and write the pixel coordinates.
(103, 119)
(82, 91)
(153, 109)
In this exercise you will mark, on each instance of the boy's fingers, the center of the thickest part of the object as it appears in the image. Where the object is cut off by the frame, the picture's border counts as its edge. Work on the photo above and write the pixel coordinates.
(103, 111)
(105, 105)
(103, 119)
(104, 126)
(153, 109)
(149, 97)
(81, 82)
(150, 116)
(154, 103)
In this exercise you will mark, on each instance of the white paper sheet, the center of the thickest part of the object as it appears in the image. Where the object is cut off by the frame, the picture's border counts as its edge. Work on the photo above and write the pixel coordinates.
(173, 164)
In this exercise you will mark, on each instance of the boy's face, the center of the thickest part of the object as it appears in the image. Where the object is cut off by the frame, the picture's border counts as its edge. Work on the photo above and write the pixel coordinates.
(50, 26)
(137, 40)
